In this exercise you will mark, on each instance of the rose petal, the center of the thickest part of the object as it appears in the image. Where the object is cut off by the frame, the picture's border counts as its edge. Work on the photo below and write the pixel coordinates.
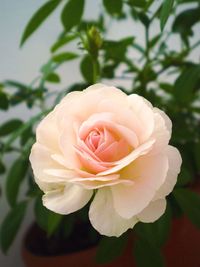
(160, 133)
(40, 159)
(167, 120)
(123, 115)
(59, 158)
(62, 175)
(120, 164)
(72, 176)
(107, 120)
(100, 184)
(148, 174)
(174, 159)
(145, 114)
(115, 151)
(94, 121)
(67, 200)
(76, 103)
(153, 211)
(68, 139)
(104, 218)
(89, 163)
(47, 132)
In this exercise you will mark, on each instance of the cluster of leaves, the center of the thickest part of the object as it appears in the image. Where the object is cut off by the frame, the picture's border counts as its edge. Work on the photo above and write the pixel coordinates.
(102, 58)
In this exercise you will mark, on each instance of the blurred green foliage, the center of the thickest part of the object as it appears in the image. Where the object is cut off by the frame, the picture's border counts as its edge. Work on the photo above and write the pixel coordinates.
(168, 78)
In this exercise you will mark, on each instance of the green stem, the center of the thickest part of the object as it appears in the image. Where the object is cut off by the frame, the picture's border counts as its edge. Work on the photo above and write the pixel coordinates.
(95, 70)
(147, 43)
(20, 130)
(195, 45)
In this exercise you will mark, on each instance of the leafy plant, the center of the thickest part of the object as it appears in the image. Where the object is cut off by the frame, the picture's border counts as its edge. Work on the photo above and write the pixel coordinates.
(168, 78)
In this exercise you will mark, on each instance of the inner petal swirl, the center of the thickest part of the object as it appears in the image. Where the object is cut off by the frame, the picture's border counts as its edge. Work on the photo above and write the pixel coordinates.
(100, 148)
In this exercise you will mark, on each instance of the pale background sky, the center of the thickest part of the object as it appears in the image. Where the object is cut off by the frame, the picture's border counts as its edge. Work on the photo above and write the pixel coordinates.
(23, 65)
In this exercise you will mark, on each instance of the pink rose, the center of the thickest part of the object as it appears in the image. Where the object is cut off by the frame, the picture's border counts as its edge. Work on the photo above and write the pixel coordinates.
(103, 142)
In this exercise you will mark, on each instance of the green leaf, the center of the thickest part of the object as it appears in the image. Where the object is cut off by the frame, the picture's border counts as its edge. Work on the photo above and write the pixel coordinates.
(113, 7)
(67, 225)
(2, 167)
(185, 21)
(10, 225)
(110, 248)
(10, 126)
(108, 71)
(46, 219)
(3, 101)
(15, 84)
(21, 129)
(14, 179)
(147, 255)
(187, 1)
(38, 18)
(138, 3)
(26, 136)
(117, 49)
(186, 83)
(197, 155)
(86, 67)
(65, 56)
(165, 12)
(139, 48)
(47, 67)
(33, 191)
(53, 78)
(144, 19)
(167, 87)
(195, 109)
(63, 41)
(190, 204)
(154, 40)
(54, 220)
(41, 213)
(156, 233)
(72, 14)
(185, 177)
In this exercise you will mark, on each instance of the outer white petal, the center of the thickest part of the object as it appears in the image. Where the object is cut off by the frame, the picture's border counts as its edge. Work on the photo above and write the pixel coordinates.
(85, 103)
(145, 114)
(72, 176)
(67, 140)
(68, 199)
(148, 174)
(40, 159)
(100, 90)
(104, 218)
(105, 90)
(174, 159)
(47, 132)
(153, 211)
(161, 133)
(100, 184)
(122, 113)
(167, 120)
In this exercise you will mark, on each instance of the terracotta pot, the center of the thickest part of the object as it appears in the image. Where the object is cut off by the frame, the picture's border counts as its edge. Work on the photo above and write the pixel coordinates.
(84, 258)
(182, 250)
(183, 246)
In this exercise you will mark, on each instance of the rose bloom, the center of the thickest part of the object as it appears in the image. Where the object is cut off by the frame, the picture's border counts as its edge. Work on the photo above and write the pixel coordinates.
(102, 143)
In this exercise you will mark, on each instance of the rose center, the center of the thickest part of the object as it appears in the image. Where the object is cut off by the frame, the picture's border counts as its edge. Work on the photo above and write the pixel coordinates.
(93, 139)
(100, 147)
